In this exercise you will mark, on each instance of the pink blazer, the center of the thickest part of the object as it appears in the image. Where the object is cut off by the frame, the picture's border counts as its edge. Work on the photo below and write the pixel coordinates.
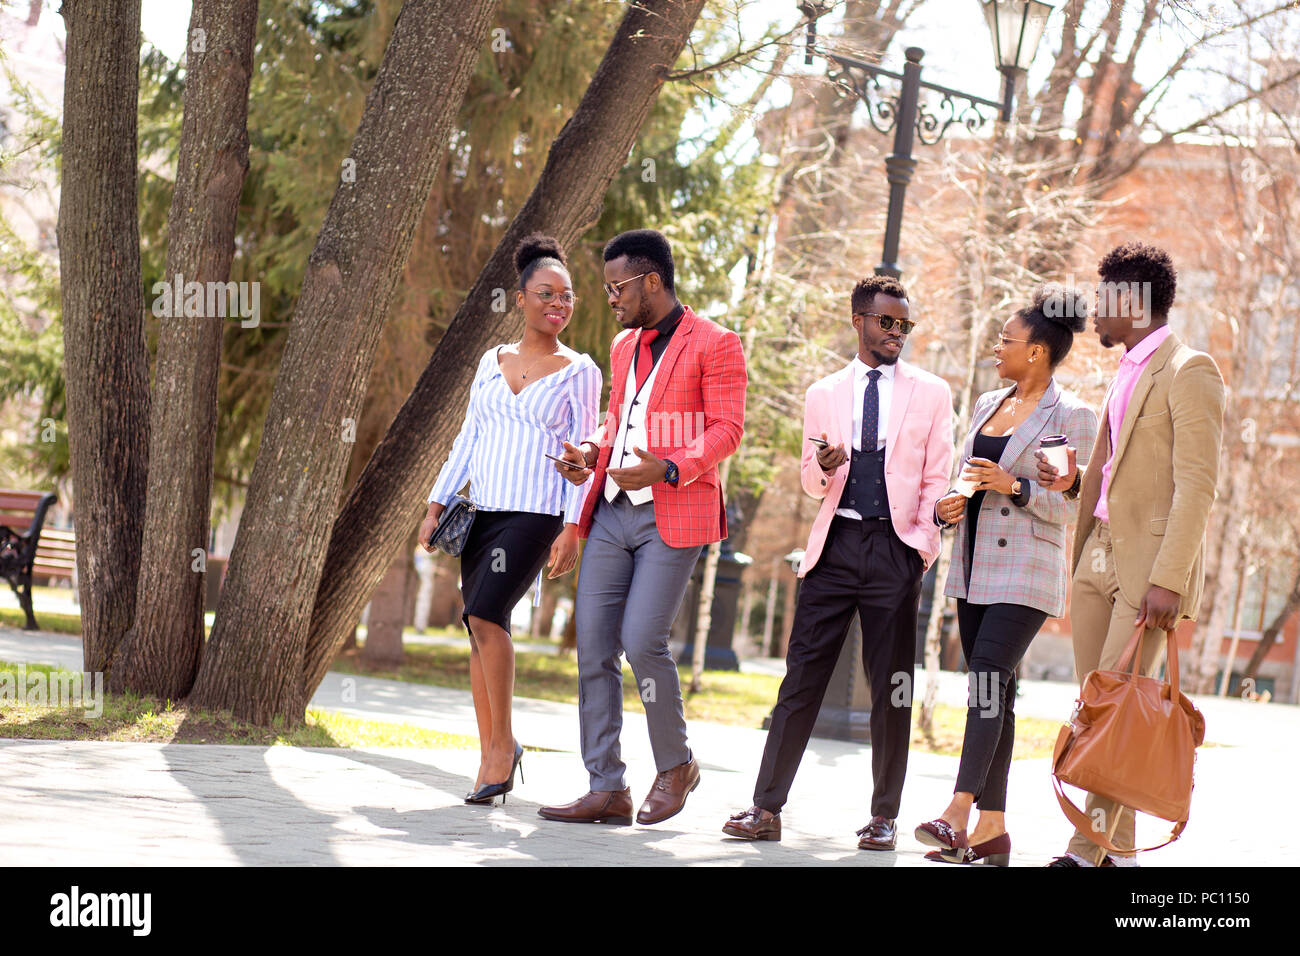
(918, 454)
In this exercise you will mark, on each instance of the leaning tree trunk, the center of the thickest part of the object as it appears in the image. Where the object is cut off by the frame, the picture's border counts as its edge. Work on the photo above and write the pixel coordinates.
(160, 654)
(1269, 638)
(254, 660)
(106, 365)
(591, 148)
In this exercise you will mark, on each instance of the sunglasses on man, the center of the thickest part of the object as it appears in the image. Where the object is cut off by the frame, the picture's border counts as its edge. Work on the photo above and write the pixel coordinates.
(887, 322)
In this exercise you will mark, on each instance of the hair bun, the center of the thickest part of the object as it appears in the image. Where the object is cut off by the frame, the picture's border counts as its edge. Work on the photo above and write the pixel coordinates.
(536, 246)
(1064, 305)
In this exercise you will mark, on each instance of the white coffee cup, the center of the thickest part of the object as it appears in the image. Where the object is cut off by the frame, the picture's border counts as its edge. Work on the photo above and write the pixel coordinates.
(964, 486)
(1053, 449)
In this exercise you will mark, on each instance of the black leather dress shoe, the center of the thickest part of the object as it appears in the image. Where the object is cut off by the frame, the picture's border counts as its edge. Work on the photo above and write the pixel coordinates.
(1069, 861)
(879, 834)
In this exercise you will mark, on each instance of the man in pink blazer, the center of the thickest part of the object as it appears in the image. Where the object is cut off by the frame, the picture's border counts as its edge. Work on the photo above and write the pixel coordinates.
(887, 428)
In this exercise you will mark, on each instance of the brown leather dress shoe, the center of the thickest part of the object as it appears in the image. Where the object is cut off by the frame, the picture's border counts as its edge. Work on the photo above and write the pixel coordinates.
(667, 797)
(879, 834)
(750, 826)
(595, 806)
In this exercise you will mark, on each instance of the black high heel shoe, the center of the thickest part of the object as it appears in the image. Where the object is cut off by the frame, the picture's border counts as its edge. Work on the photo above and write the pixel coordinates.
(490, 791)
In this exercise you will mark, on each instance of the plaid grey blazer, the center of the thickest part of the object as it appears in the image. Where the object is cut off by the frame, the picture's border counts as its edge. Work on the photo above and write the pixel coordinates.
(1020, 553)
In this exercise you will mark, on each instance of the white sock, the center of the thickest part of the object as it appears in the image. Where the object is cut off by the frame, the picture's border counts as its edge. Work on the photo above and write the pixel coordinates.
(1080, 860)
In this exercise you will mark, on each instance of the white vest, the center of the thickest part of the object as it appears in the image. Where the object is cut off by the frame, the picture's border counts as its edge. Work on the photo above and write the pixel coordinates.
(632, 433)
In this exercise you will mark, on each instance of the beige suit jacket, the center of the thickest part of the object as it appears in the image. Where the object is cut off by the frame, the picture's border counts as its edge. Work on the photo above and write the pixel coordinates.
(1163, 480)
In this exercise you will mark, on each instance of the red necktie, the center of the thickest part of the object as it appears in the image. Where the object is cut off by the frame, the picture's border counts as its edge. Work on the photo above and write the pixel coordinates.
(644, 360)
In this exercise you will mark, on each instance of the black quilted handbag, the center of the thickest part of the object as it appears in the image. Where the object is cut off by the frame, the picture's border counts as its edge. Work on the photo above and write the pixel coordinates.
(453, 527)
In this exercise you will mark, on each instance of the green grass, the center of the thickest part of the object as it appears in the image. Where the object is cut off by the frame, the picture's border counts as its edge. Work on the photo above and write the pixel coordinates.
(728, 697)
(46, 620)
(128, 717)
(1035, 736)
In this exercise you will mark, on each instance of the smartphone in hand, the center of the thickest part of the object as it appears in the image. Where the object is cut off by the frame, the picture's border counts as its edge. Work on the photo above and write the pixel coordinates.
(566, 464)
(819, 442)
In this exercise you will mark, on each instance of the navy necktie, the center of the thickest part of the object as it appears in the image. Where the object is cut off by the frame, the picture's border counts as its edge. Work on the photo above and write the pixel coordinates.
(871, 412)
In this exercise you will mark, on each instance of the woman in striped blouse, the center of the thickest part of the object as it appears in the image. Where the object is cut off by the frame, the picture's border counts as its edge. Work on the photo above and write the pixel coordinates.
(526, 400)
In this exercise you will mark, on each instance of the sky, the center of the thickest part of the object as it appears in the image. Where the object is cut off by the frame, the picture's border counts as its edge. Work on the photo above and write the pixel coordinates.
(943, 28)
(953, 33)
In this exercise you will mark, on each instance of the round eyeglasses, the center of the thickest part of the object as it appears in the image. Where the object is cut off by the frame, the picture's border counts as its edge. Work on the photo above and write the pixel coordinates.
(547, 296)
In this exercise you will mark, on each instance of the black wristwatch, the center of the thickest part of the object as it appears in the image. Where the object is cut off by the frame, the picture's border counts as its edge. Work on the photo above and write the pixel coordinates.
(1020, 498)
(670, 473)
(1073, 491)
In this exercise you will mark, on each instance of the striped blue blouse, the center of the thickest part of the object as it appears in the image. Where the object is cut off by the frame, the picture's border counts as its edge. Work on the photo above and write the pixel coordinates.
(501, 445)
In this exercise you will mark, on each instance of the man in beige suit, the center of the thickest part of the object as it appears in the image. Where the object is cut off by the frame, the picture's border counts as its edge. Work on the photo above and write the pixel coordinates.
(1145, 497)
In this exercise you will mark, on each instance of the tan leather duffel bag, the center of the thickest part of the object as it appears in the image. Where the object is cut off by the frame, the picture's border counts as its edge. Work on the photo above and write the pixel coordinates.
(1133, 740)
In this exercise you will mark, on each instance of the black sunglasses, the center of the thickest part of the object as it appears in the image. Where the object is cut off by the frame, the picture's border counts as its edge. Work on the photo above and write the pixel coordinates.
(905, 326)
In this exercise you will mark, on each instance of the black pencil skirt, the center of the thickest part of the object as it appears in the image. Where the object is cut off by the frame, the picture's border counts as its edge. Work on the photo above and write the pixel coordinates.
(502, 556)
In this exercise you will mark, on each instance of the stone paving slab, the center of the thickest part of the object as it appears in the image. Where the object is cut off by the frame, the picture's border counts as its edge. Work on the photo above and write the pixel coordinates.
(93, 803)
(88, 803)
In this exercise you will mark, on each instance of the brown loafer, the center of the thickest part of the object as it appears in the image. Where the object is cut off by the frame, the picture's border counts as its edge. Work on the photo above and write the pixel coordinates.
(879, 834)
(595, 806)
(668, 795)
(748, 825)
(941, 834)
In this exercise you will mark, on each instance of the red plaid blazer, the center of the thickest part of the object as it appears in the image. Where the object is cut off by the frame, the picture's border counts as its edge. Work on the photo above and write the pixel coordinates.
(695, 416)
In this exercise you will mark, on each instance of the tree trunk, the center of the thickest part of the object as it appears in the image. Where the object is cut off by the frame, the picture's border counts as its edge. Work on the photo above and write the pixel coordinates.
(938, 601)
(769, 610)
(1236, 628)
(704, 619)
(383, 647)
(106, 365)
(746, 608)
(544, 615)
(1207, 642)
(1270, 636)
(447, 603)
(583, 160)
(1237, 465)
(253, 665)
(160, 654)
(569, 639)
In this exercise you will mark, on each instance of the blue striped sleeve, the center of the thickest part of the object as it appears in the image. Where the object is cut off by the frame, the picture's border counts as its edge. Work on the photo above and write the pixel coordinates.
(455, 472)
(584, 401)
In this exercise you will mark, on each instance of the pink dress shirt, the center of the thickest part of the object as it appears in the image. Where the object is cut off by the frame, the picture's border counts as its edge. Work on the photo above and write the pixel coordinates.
(1130, 369)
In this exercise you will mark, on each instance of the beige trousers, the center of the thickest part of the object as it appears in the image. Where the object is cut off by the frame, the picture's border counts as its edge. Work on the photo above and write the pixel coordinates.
(1102, 621)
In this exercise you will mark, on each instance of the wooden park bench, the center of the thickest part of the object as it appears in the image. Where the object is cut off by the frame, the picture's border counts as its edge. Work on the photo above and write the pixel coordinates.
(26, 550)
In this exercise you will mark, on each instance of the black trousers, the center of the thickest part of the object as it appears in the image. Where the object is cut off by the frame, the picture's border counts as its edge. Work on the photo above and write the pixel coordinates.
(865, 569)
(994, 637)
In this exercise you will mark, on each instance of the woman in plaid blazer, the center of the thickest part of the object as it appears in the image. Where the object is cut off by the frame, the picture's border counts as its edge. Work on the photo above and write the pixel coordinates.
(1009, 565)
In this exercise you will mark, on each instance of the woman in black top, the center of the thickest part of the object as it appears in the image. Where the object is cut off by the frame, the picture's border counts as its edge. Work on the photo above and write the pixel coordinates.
(1009, 562)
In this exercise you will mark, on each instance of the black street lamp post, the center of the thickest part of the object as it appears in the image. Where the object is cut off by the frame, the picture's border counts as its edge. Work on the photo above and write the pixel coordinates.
(1016, 25)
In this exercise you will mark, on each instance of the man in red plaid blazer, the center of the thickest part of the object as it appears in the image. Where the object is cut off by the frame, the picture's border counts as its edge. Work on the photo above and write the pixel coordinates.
(676, 410)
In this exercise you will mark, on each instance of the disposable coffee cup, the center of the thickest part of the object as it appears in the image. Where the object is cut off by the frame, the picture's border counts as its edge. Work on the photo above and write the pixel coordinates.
(1053, 449)
(964, 486)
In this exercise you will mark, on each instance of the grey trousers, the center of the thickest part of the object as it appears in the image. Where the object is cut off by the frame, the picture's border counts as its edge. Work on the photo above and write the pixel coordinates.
(629, 590)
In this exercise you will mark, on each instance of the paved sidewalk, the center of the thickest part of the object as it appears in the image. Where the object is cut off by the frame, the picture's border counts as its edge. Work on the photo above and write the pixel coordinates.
(88, 803)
